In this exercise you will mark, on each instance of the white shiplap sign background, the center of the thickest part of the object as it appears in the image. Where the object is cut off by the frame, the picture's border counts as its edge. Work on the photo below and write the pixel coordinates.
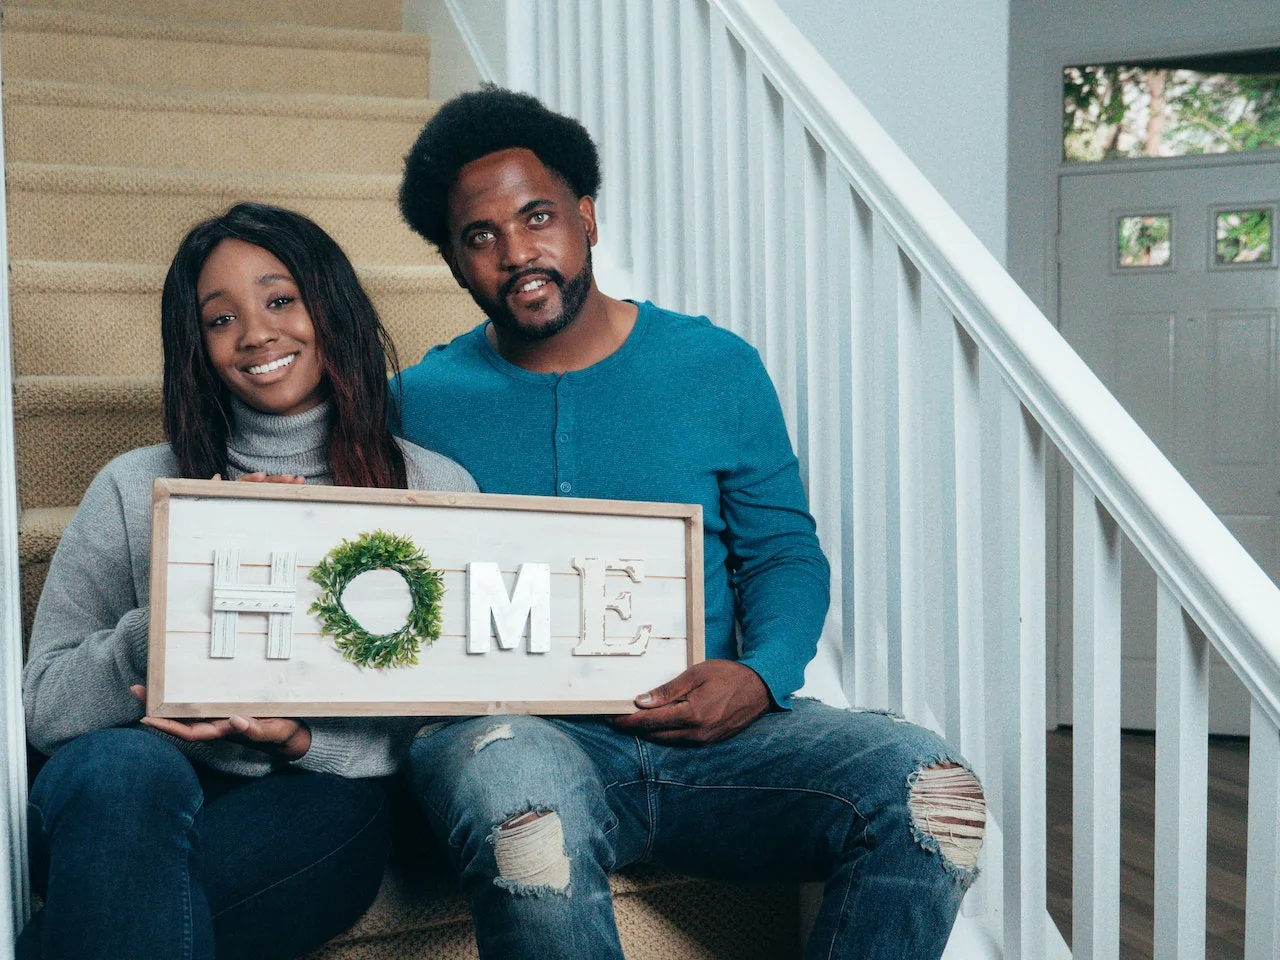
(195, 519)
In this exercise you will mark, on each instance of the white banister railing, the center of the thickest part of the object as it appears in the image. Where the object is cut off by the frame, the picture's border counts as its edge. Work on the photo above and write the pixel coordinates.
(924, 392)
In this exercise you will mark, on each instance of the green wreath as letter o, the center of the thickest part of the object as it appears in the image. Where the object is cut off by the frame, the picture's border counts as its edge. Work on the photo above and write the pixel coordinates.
(379, 550)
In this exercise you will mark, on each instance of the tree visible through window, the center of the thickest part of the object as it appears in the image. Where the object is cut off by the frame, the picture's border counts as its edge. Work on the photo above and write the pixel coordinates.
(1206, 105)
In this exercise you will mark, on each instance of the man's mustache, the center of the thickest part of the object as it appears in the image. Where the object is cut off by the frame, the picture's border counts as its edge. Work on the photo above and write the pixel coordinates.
(509, 287)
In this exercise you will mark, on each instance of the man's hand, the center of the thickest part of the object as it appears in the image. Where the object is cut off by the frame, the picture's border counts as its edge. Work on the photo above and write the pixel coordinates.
(709, 702)
(284, 737)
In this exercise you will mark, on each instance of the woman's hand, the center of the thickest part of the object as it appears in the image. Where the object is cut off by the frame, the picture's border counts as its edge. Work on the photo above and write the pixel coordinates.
(283, 736)
(261, 477)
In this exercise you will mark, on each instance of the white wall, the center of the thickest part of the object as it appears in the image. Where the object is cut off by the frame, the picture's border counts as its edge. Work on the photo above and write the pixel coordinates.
(454, 50)
(935, 74)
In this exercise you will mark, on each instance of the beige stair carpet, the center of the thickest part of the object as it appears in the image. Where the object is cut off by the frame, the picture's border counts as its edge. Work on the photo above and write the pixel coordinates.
(76, 319)
(115, 126)
(138, 215)
(351, 14)
(75, 47)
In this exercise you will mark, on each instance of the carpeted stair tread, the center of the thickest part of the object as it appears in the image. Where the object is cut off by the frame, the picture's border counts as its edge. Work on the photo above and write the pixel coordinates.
(112, 126)
(39, 531)
(73, 46)
(100, 318)
(78, 48)
(659, 915)
(68, 428)
(135, 215)
(362, 15)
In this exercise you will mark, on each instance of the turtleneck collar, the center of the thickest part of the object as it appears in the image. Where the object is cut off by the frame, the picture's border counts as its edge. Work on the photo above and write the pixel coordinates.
(294, 445)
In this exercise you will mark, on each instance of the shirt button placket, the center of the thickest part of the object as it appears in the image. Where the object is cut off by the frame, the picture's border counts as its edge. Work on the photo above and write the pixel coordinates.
(563, 438)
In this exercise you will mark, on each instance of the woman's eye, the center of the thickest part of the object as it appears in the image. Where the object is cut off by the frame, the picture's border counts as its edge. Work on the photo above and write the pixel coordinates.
(220, 320)
(281, 301)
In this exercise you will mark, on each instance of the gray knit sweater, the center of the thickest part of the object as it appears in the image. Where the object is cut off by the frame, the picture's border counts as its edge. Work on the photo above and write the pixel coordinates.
(89, 642)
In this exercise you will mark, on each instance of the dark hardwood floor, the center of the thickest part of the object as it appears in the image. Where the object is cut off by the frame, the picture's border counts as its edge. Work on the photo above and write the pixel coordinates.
(1227, 830)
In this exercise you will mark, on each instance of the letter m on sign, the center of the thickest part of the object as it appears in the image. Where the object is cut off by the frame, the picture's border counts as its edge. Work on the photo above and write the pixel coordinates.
(529, 602)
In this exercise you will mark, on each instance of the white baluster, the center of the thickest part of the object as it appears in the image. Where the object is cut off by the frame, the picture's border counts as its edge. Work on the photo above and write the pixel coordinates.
(548, 54)
(758, 204)
(700, 231)
(614, 202)
(1095, 923)
(866, 653)
(910, 469)
(1262, 880)
(1182, 785)
(787, 322)
(591, 94)
(820, 373)
(666, 142)
(638, 144)
(884, 511)
(569, 57)
(1024, 692)
(522, 46)
(729, 107)
(964, 456)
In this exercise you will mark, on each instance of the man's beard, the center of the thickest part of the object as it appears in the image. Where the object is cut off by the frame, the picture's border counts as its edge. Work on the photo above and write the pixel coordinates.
(573, 294)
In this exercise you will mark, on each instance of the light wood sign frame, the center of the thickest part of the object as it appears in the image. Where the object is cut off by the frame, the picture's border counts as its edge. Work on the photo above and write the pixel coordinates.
(601, 600)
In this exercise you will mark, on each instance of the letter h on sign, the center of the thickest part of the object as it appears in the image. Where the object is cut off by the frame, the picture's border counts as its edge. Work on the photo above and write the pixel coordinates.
(276, 600)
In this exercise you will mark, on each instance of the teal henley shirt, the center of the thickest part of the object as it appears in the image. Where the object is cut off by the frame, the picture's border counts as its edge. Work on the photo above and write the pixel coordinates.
(682, 412)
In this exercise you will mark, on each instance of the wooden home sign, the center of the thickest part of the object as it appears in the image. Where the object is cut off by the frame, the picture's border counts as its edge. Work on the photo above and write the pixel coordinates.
(281, 600)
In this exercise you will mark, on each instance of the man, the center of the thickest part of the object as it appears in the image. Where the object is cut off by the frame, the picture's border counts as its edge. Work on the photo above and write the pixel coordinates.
(567, 392)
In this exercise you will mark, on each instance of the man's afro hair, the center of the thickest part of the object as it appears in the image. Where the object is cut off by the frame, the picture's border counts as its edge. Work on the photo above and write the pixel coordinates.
(476, 124)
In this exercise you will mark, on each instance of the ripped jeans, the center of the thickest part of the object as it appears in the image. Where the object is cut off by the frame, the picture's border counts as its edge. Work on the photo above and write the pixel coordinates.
(537, 812)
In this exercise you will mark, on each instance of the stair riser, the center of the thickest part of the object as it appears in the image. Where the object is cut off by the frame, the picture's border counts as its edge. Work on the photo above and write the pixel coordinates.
(172, 139)
(188, 65)
(141, 227)
(30, 583)
(105, 333)
(58, 453)
(364, 15)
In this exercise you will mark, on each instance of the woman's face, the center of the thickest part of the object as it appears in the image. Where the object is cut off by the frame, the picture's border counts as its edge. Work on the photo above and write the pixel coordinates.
(257, 332)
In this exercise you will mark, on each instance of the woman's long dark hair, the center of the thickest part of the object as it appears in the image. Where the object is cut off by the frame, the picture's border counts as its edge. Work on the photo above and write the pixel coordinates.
(355, 352)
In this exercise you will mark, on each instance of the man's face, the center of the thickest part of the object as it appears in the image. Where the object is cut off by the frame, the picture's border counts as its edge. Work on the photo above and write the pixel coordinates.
(520, 242)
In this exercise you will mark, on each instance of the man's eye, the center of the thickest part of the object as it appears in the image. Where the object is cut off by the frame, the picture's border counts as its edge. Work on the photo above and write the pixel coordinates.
(479, 239)
(539, 218)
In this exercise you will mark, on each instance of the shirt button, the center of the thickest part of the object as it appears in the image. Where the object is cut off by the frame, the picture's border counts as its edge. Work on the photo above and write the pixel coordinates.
(566, 486)
(564, 438)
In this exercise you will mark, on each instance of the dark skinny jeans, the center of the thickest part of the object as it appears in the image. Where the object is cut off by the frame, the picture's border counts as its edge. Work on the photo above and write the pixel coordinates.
(140, 854)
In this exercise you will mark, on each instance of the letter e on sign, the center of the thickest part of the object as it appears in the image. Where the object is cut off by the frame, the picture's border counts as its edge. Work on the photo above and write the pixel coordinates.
(596, 606)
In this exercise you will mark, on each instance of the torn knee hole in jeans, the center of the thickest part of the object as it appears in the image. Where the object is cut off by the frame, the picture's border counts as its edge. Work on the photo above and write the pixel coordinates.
(949, 813)
(499, 731)
(529, 850)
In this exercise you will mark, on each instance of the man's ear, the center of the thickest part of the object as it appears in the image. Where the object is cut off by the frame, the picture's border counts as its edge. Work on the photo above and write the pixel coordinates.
(587, 212)
(451, 258)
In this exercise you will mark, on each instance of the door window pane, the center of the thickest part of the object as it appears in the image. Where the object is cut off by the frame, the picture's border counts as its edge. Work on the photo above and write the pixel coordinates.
(1242, 237)
(1170, 108)
(1145, 241)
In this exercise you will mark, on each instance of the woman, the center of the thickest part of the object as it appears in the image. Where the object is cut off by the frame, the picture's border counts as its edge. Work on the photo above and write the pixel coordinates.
(238, 837)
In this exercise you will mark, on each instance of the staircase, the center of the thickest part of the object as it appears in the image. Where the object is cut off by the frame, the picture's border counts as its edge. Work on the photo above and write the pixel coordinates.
(127, 121)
